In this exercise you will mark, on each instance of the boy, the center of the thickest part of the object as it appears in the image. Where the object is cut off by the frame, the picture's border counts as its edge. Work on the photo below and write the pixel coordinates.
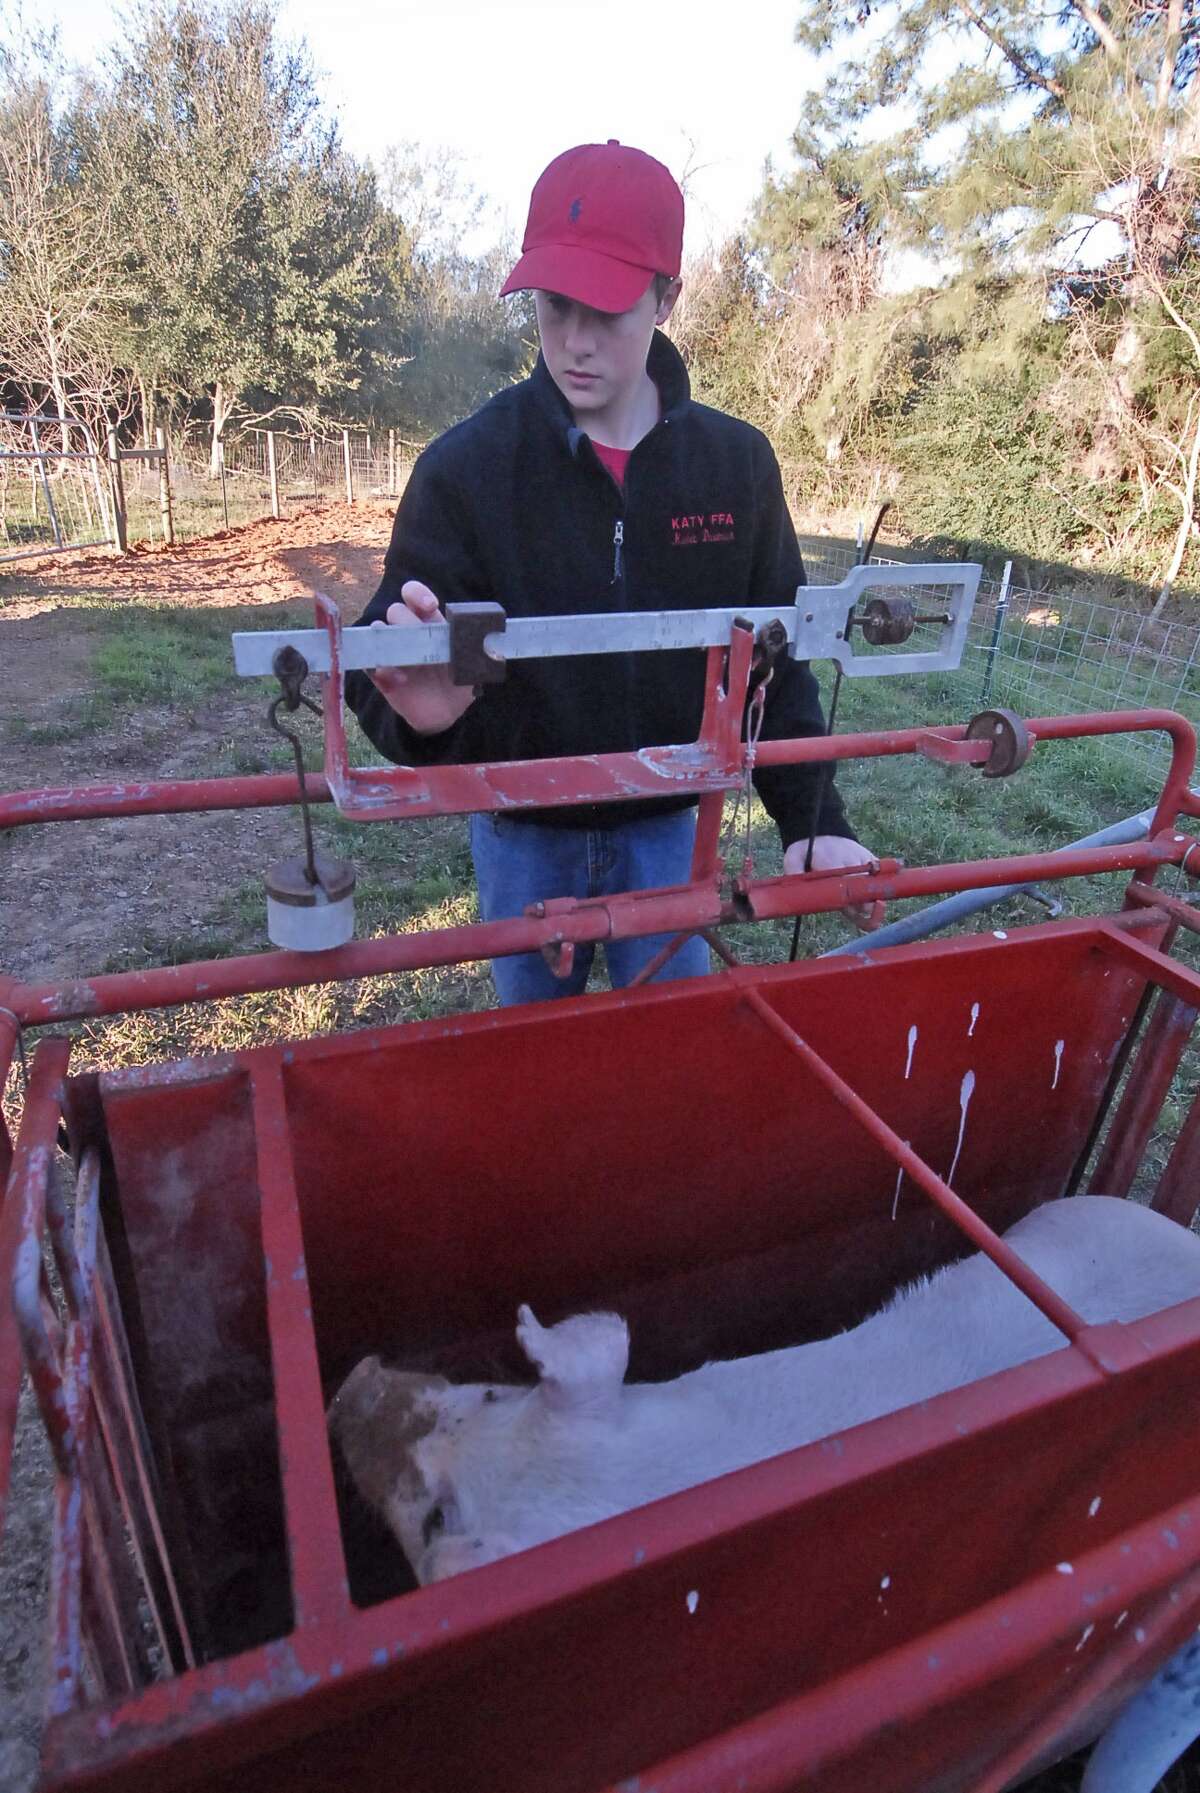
(595, 485)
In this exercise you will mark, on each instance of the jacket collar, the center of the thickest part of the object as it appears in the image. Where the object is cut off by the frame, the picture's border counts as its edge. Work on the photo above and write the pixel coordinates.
(665, 366)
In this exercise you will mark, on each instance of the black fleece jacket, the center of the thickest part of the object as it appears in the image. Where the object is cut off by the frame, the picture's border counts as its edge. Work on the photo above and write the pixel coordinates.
(514, 505)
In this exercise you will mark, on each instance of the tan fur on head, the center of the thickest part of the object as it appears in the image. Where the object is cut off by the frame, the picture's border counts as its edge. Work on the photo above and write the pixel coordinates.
(378, 1416)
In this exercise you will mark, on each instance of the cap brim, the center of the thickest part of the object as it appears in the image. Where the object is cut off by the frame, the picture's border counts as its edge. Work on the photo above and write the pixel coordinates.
(584, 275)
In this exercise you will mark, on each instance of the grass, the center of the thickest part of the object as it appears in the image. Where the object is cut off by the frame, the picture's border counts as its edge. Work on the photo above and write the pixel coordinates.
(152, 656)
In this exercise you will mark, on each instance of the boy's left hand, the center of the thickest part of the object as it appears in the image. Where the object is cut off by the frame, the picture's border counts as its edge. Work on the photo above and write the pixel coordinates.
(831, 852)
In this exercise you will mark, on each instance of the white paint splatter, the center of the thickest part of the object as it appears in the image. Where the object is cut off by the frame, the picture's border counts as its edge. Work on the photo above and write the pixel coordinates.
(899, 1180)
(999, 934)
(1087, 1632)
(1058, 1052)
(974, 1019)
(1065, 1568)
(1139, 1635)
(965, 1093)
(912, 1041)
(1121, 1618)
(693, 1600)
(1094, 1508)
(886, 1582)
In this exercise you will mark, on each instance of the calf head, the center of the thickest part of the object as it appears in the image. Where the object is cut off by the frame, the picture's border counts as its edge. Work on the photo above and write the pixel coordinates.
(439, 1461)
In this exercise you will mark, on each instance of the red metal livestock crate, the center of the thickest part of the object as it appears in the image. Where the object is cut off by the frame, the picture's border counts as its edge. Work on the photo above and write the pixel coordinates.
(937, 1600)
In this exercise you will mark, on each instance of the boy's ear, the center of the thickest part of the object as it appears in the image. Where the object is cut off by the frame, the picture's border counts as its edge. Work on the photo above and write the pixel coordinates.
(667, 302)
(582, 1361)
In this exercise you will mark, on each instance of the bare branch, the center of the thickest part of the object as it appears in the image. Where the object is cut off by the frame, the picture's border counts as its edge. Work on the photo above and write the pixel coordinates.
(1103, 30)
(1012, 54)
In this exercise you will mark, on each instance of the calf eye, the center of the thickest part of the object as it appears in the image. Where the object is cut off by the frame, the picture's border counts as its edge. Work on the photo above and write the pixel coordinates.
(433, 1523)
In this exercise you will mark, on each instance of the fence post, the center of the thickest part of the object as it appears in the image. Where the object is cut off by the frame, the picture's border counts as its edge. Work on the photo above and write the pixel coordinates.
(346, 459)
(46, 493)
(272, 474)
(164, 487)
(221, 464)
(997, 629)
(97, 483)
(391, 463)
(118, 493)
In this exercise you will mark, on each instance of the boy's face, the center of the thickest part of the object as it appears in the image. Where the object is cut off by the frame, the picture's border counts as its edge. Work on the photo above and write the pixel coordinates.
(597, 359)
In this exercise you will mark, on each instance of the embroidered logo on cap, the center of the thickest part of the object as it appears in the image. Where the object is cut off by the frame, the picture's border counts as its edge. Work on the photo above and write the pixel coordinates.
(576, 209)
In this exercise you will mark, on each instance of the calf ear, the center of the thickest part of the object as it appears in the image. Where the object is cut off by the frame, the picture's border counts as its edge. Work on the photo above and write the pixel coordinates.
(582, 1361)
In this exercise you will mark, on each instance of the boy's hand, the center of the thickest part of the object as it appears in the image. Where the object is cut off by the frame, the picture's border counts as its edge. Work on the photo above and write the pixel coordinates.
(831, 853)
(422, 695)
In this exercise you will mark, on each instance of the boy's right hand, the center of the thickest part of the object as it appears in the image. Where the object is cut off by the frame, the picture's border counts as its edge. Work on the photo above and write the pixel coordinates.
(422, 695)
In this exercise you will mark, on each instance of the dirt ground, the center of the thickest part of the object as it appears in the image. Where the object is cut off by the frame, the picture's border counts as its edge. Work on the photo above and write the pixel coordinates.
(73, 894)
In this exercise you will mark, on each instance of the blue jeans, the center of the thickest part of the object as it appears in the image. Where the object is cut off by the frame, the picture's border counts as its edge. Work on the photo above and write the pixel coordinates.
(518, 863)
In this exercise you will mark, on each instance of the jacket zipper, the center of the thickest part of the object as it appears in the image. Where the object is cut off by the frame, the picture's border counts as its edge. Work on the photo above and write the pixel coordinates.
(618, 543)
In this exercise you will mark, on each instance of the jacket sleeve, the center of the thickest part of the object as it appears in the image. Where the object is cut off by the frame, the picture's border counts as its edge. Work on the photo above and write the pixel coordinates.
(799, 799)
(432, 540)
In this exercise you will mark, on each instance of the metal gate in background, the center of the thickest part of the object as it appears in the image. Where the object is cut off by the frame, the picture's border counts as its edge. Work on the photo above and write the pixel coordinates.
(55, 491)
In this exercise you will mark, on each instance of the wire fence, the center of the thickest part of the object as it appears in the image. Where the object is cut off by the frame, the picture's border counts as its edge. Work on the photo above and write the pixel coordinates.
(1043, 654)
(53, 487)
(262, 473)
(62, 490)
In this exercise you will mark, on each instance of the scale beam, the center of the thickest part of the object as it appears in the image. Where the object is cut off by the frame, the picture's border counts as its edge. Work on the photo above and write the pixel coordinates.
(820, 625)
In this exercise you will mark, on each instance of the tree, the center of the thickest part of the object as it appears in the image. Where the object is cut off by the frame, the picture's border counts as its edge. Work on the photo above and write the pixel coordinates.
(463, 344)
(1046, 166)
(256, 242)
(63, 288)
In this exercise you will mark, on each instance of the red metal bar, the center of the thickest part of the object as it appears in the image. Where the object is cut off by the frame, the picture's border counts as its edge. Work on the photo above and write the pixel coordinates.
(143, 1485)
(706, 851)
(66, 1602)
(545, 782)
(1176, 798)
(1167, 973)
(1145, 896)
(685, 908)
(968, 1222)
(320, 1592)
(10, 1031)
(1163, 1045)
(801, 894)
(137, 1513)
(1178, 1192)
(28, 1194)
(86, 802)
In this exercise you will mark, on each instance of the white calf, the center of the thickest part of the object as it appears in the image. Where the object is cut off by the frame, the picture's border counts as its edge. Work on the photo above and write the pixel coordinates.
(467, 1474)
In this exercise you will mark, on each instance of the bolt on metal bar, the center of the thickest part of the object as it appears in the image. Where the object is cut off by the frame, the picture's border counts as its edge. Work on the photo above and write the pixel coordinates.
(1003, 1256)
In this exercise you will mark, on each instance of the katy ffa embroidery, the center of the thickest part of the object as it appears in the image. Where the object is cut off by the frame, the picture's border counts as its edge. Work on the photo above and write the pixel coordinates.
(713, 526)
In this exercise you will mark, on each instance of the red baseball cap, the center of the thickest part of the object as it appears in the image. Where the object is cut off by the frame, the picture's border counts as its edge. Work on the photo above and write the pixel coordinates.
(603, 220)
